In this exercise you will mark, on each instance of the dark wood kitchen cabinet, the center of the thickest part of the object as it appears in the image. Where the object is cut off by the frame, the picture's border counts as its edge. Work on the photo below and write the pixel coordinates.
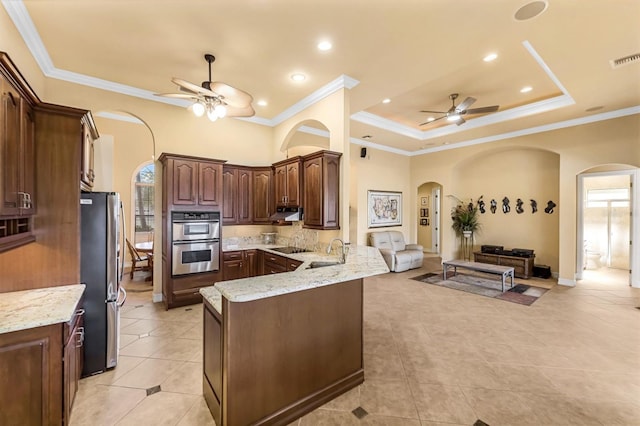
(40, 368)
(189, 184)
(262, 195)
(237, 184)
(239, 264)
(321, 176)
(192, 183)
(275, 264)
(17, 157)
(288, 182)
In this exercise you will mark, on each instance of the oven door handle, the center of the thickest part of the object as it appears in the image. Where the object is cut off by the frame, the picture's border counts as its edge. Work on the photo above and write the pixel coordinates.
(195, 221)
(185, 242)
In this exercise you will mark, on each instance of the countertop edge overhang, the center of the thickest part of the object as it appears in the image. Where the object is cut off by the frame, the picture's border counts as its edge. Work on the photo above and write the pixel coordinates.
(21, 310)
(362, 262)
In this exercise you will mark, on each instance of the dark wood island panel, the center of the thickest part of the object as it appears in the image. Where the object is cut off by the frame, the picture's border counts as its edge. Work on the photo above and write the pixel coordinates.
(270, 361)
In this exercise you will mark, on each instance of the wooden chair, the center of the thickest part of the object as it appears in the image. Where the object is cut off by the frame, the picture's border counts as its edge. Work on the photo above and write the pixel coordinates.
(137, 258)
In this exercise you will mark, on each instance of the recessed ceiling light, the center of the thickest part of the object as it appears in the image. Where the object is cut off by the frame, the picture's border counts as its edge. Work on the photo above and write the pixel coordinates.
(490, 57)
(386, 101)
(526, 89)
(531, 10)
(262, 102)
(325, 45)
(298, 77)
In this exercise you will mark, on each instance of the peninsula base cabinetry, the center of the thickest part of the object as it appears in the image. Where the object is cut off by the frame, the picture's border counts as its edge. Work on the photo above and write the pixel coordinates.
(297, 351)
(40, 368)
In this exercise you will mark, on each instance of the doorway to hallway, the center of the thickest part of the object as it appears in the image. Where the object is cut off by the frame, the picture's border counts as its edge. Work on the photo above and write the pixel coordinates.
(605, 226)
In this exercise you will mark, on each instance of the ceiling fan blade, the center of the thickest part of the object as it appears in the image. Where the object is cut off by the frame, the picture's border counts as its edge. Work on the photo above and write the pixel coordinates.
(482, 110)
(434, 112)
(460, 121)
(193, 87)
(432, 121)
(465, 104)
(246, 111)
(232, 96)
(177, 95)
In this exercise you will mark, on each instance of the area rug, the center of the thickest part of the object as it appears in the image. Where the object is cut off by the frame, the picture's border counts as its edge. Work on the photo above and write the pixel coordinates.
(522, 294)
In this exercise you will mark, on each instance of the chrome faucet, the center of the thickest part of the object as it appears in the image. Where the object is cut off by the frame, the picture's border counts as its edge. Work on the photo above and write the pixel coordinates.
(343, 252)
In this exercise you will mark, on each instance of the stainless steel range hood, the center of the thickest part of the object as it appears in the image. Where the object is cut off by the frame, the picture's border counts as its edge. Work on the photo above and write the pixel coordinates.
(287, 214)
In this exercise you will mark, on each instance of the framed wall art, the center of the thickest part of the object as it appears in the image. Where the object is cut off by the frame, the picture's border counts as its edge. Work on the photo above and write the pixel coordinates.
(424, 212)
(424, 222)
(424, 201)
(384, 208)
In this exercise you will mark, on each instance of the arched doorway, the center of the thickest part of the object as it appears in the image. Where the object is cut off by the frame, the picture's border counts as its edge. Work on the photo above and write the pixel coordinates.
(429, 207)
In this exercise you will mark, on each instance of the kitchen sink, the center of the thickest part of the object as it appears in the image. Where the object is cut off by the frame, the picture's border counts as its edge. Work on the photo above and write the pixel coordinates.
(320, 264)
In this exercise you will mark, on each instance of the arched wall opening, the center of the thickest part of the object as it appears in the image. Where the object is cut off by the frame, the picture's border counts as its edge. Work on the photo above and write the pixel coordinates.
(527, 181)
(429, 216)
(126, 143)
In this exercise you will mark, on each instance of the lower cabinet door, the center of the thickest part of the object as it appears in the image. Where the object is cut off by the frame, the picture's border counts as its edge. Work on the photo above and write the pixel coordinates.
(31, 376)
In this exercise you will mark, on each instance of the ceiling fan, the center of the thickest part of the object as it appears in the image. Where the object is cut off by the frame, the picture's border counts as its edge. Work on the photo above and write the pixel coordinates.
(215, 98)
(455, 113)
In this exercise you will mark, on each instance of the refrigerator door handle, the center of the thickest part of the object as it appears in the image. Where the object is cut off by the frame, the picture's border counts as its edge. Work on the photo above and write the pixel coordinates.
(122, 291)
(123, 238)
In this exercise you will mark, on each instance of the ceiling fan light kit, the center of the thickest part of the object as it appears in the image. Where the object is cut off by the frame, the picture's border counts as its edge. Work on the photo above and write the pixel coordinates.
(455, 113)
(216, 99)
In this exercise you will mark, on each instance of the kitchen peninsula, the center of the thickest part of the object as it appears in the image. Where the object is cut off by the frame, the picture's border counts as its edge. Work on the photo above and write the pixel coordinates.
(278, 346)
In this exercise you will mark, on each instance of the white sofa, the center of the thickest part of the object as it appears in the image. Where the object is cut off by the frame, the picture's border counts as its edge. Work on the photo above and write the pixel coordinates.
(398, 255)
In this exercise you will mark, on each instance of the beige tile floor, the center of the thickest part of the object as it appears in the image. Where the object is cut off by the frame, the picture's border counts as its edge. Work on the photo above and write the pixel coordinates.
(433, 356)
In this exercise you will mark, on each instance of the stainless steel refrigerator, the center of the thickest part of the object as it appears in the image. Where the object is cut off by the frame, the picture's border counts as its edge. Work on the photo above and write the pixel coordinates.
(101, 260)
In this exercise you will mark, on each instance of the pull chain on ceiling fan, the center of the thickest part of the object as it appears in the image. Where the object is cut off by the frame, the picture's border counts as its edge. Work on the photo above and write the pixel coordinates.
(215, 98)
(455, 113)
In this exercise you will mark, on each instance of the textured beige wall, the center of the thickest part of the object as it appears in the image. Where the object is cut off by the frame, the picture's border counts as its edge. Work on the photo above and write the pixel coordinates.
(514, 173)
(579, 148)
(382, 171)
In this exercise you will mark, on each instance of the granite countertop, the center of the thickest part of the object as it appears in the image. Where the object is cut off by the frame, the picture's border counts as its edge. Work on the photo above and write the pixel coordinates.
(362, 261)
(20, 310)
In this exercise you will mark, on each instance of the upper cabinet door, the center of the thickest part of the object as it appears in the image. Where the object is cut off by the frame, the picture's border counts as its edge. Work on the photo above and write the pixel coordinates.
(210, 184)
(280, 185)
(293, 184)
(313, 192)
(28, 155)
(9, 150)
(262, 196)
(245, 196)
(185, 183)
(229, 195)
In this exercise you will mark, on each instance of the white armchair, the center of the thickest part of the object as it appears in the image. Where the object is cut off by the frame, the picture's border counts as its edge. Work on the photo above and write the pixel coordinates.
(398, 255)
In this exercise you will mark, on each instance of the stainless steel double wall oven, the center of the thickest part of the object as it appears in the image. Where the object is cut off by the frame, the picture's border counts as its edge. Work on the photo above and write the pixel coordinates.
(195, 241)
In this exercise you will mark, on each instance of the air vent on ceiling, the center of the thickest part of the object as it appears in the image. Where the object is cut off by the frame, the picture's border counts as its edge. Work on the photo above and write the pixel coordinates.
(617, 63)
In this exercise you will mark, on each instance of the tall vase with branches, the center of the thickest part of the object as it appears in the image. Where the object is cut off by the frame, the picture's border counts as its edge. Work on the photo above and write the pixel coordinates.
(466, 222)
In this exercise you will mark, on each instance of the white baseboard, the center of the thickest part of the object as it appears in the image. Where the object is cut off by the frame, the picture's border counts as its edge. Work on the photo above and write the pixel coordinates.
(157, 297)
(569, 283)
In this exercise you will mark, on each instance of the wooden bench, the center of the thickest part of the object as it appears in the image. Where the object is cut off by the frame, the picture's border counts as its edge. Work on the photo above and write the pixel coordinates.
(504, 271)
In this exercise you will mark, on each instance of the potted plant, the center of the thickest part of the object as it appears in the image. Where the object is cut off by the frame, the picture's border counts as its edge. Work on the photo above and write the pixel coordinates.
(466, 222)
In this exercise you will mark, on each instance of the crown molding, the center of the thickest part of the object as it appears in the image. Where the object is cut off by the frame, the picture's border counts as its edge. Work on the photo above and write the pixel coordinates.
(538, 129)
(342, 82)
(25, 26)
